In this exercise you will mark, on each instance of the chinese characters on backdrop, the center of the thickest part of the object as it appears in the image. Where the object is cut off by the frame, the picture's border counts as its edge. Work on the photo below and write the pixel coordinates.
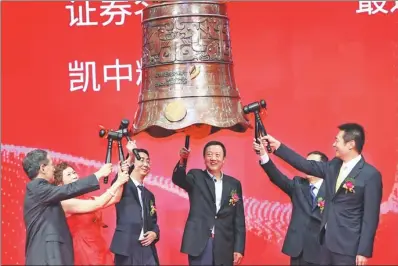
(375, 7)
(83, 74)
(109, 11)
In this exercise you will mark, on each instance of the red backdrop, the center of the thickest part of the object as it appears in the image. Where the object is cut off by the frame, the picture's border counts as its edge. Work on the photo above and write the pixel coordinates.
(316, 64)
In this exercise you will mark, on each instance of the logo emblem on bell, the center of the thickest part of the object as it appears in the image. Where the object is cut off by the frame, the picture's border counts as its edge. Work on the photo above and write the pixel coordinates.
(175, 111)
(194, 72)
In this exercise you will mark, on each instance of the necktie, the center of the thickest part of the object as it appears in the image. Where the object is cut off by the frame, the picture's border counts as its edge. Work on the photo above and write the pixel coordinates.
(341, 177)
(143, 209)
(313, 196)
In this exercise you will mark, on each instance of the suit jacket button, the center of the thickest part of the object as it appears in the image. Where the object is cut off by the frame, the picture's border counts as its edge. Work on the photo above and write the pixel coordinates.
(215, 217)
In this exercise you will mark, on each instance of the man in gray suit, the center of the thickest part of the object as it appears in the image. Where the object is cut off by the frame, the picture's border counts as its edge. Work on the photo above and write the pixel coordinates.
(48, 240)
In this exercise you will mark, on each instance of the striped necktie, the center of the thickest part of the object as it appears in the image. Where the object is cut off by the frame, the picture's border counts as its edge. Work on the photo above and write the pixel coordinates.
(313, 196)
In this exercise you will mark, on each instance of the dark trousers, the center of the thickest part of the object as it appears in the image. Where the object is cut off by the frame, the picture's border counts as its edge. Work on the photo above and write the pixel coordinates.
(297, 261)
(140, 255)
(331, 258)
(206, 258)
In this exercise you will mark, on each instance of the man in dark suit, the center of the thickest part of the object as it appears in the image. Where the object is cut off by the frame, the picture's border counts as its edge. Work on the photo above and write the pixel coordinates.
(307, 196)
(137, 230)
(353, 197)
(215, 232)
(48, 240)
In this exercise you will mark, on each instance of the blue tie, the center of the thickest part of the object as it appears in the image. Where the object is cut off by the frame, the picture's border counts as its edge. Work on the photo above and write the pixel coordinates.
(313, 196)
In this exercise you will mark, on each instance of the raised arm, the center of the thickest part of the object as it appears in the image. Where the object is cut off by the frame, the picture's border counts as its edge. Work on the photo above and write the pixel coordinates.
(118, 193)
(239, 223)
(119, 190)
(84, 206)
(130, 146)
(179, 177)
(116, 197)
(273, 173)
(278, 178)
(308, 167)
(48, 193)
(371, 213)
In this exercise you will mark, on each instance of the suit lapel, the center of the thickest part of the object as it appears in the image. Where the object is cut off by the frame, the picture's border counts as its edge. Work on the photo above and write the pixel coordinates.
(335, 179)
(133, 189)
(307, 192)
(147, 216)
(145, 200)
(210, 185)
(353, 174)
(226, 191)
(322, 191)
(321, 194)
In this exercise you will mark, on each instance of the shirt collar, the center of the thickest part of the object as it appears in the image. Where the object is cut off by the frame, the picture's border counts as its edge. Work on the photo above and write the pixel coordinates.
(213, 177)
(318, 184)
(351, 163)
(136, 183)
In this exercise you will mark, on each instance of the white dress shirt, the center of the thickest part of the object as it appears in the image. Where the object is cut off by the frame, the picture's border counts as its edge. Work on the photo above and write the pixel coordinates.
(317, 186)
(347, 167)
(136, 183)
(218, 186)
(264, 158)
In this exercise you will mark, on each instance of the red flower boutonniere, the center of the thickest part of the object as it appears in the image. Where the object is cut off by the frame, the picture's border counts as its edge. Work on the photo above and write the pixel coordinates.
(153, 208)
(321, 203)
(349, 185)
(234, 198)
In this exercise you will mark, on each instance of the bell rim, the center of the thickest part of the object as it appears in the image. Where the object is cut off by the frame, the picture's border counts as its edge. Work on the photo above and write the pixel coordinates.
(157, 131)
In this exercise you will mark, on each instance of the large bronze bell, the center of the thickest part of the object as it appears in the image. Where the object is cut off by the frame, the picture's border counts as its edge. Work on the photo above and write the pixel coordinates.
(187, 71)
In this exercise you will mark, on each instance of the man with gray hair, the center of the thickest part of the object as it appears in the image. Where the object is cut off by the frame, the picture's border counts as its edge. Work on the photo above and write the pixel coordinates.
(48, 240)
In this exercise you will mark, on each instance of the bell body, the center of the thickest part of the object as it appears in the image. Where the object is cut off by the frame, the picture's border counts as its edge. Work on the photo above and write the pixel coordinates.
(187, 70)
